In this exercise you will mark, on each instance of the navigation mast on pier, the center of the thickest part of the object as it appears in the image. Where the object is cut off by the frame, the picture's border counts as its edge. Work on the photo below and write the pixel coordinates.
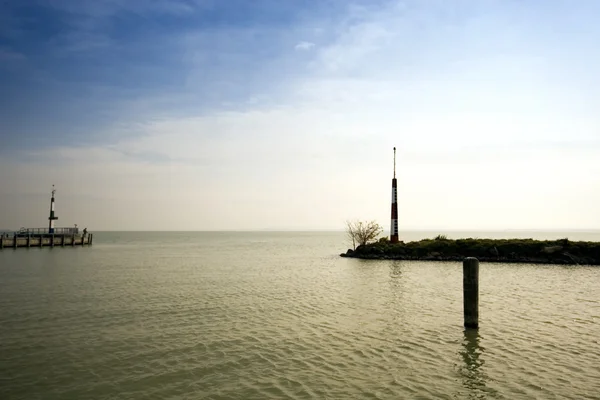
(394, 225)
(52, 217)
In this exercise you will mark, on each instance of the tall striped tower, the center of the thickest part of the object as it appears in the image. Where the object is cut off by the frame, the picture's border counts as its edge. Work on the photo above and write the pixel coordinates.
(52, 217)
(394, 227)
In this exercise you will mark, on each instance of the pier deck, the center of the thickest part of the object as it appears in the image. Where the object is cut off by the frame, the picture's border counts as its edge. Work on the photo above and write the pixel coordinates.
(46, 237)
(45, 240)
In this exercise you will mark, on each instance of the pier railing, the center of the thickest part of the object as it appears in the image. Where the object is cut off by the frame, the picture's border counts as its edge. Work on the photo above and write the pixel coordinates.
(46, 231)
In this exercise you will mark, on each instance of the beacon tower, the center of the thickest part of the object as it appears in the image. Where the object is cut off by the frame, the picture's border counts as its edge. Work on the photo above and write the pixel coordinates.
(52, 217)
(394, 225)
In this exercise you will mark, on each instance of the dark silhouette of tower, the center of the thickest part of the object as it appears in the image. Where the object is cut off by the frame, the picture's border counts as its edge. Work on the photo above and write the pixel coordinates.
(394, 226)
(52, 217)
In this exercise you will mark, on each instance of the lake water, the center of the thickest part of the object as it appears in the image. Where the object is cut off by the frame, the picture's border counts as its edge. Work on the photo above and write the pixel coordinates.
(282, 316)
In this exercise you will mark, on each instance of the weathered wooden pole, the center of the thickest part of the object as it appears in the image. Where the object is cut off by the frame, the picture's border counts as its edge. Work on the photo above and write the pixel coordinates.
(471, 292)
(15, 241)
(29, 240)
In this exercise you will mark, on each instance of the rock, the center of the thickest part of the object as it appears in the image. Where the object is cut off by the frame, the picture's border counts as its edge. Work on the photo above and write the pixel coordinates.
(573, 258)
(513, 251)
(551, 249)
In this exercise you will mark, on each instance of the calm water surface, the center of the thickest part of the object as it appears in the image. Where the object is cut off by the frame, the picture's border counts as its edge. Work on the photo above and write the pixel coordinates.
(280, 315)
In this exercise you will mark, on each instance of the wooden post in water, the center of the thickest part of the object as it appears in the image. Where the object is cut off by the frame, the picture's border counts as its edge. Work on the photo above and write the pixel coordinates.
(52, 241)
(29, 240)
(15, 241)
(471, 292)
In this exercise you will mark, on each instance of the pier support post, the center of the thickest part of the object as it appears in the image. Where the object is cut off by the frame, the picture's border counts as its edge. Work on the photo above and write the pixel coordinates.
(91, 238)
(15, 241)
(471, 292)
(41, 240)
(2, 242)
(52, 240)
(73, 240)
(29, 240)
(62, 240)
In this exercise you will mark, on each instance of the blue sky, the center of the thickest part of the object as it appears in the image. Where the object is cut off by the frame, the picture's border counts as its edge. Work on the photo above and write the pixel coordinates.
(272, 114)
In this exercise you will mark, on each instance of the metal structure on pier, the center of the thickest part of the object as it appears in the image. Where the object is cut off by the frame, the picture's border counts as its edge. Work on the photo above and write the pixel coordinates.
(51, 236)
(52, 217)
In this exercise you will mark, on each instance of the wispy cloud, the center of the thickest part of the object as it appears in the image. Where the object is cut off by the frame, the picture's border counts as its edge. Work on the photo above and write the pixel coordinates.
(8, 55)
(304, 46)
(239, 125)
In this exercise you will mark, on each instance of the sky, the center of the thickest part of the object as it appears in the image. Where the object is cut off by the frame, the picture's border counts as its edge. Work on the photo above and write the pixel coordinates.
(282, 114)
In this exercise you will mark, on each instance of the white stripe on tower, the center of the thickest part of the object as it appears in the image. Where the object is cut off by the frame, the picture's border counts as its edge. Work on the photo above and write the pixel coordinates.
(52, 217)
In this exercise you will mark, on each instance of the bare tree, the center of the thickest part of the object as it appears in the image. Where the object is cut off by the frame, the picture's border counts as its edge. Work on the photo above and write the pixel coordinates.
(361, 233)
(351, 233)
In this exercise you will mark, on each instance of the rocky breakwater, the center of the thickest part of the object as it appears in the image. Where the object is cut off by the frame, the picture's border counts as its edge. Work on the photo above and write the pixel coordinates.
(526, 251)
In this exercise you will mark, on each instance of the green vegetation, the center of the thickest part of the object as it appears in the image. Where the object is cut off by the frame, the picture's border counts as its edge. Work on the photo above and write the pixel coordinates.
(562, 251)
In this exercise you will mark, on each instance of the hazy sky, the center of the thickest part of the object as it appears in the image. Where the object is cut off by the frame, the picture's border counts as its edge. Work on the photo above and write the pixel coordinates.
(281, 114)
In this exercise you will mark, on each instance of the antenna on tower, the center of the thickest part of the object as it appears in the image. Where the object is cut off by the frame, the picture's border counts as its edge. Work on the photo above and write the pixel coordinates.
(394, 163)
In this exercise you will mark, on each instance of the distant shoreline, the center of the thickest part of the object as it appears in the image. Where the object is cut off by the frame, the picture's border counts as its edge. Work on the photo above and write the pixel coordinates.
(407, 231)
(522, 251)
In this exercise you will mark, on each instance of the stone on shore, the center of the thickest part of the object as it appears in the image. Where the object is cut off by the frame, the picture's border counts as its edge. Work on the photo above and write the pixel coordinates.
(529, 251)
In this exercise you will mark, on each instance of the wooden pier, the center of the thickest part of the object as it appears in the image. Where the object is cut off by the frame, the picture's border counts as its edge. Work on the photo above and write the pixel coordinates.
(45, 240)
(46, 237)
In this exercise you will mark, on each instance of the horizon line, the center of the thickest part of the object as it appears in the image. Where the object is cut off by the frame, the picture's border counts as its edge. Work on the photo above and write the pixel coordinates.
(343, 230)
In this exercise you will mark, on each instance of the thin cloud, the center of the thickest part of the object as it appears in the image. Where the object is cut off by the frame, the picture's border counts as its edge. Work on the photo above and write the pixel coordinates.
(10, 55)
(315, 149)
(304, 46)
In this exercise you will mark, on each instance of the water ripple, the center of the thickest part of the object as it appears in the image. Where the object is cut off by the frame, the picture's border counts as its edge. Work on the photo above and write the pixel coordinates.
(283, 318)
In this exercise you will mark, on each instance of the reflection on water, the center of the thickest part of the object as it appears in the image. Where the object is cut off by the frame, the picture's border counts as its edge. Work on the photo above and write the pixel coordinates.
(472, 372)
(395, 270)
(394, 301)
